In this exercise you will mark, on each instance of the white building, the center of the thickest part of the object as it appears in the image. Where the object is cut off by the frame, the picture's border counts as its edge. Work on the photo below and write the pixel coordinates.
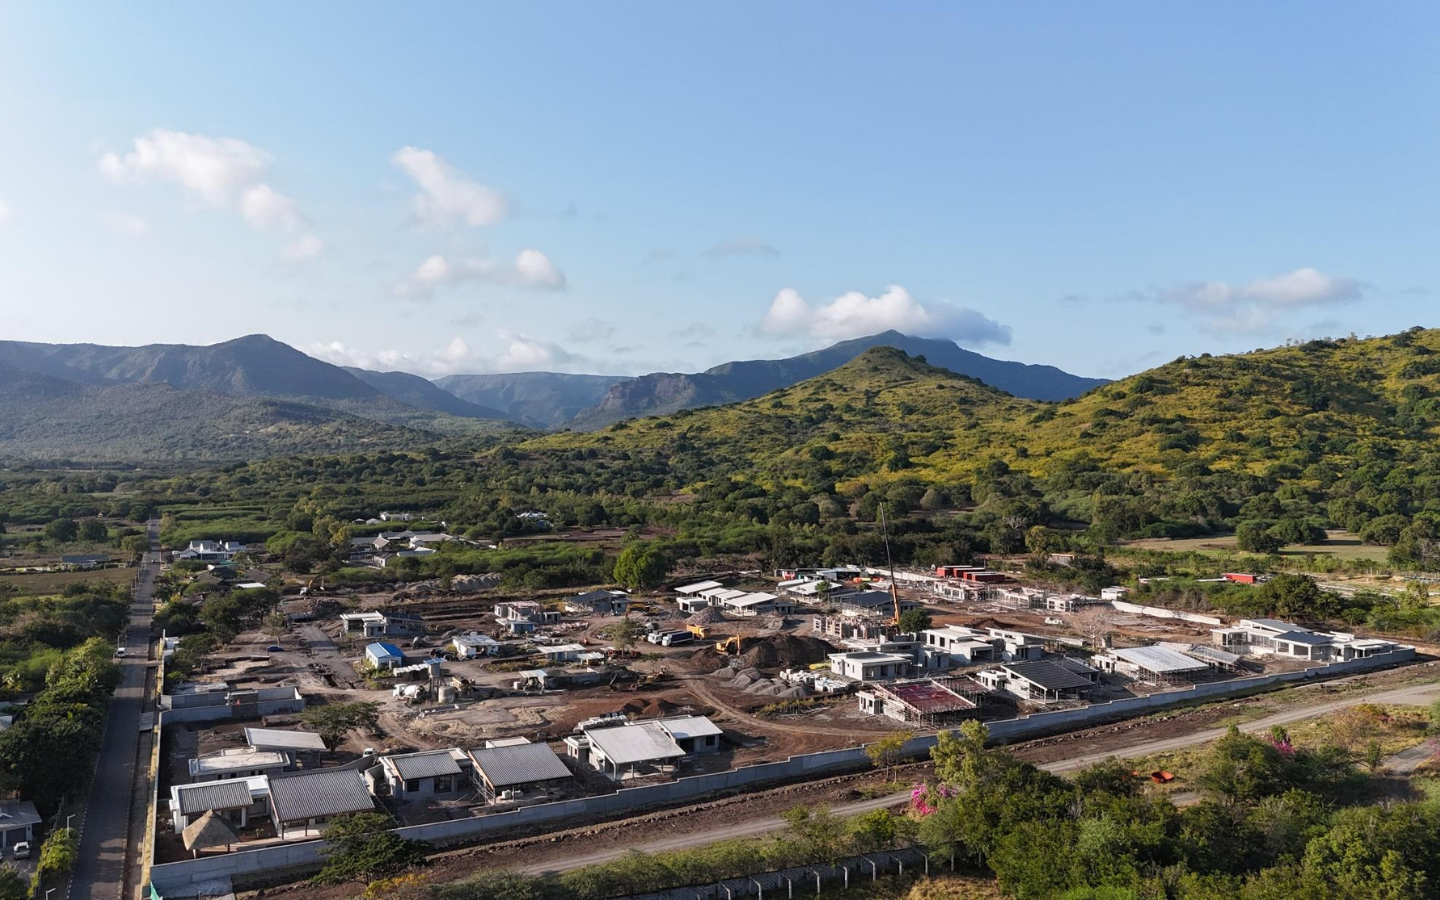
(474, 644)
(630, 749)
(870, 665)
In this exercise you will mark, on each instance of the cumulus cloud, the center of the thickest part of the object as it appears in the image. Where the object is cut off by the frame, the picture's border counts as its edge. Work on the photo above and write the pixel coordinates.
(530, 269)
(219, 173)
(590, 330)
(126, 224)
(521, 352)
(741, 246)
(854, 315)
(303, 249)
(446, 196)
(212, 173)
(1257, 306)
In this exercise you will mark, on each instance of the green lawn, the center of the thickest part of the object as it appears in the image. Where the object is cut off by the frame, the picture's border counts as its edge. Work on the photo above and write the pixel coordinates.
(1339, 544)
(41, 583)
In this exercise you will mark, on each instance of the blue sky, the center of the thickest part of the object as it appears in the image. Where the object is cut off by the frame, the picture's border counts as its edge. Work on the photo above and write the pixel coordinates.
(631, 187)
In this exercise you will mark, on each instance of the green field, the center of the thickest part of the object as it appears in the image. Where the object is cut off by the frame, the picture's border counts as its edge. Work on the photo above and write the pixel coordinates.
(1339, 544)
(40, 583)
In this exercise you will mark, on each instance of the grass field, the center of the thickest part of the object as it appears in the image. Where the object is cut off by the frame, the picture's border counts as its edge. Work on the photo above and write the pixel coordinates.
(40, 583)
(1339, 544)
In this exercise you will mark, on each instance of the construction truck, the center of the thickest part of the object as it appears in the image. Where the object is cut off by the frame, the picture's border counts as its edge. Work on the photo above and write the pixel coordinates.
(697, 630)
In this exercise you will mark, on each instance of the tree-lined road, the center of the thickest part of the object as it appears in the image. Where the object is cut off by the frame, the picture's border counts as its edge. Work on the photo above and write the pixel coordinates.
(104, 824)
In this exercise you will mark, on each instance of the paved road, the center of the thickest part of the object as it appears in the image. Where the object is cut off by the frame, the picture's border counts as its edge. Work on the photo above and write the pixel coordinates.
(104, 824)
(1417, 696)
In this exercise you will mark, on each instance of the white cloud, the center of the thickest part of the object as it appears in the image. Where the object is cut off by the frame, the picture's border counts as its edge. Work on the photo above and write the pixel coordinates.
(126, 224)
(590, 330)
(521, 353)
(855, 315)
(213, 173)
(741, 246)
(303, 249)
(6, 213)
(530, 269)
(1258, 305)
(447, 197)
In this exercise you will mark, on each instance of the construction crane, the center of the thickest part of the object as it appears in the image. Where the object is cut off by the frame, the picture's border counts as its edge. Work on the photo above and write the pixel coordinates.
(890, 564)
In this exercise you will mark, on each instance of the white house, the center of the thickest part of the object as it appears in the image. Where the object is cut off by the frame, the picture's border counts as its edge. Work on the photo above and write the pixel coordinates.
(428, 773)
(18, 819)
(301, 804)
(952, 645)
(211, 551)
(620, 749)
(562, 653)
(603, 603)
(383, 655)
(474, 644)
(757, 604)
(237, 801)
(507, 770)
(1040, 681)
(1111, 594)
(237, 762)
(1273, 637)
(870, 665)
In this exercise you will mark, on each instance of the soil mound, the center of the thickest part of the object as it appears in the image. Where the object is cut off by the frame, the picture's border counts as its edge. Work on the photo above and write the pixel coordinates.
(708, 616)
(785, 651)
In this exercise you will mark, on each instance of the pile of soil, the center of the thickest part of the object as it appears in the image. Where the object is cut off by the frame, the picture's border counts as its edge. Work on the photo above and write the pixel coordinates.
(647, 708)
(785, 651)
(707, 616)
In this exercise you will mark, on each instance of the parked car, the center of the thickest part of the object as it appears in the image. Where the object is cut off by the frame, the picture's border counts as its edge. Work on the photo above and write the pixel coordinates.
(22, 850)
(274, 648)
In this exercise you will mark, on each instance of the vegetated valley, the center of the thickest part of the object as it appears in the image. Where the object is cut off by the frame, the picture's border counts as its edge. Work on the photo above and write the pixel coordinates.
(1278, 450)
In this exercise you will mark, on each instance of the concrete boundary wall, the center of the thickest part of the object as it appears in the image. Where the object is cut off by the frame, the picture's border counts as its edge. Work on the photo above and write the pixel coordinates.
(1159, 612)
(696, 786)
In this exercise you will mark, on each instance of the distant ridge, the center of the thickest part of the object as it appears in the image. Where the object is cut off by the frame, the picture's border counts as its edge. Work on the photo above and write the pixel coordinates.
(585, 402)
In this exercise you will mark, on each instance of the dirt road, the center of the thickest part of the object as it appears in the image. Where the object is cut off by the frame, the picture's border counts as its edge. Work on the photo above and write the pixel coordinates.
(1417, 695)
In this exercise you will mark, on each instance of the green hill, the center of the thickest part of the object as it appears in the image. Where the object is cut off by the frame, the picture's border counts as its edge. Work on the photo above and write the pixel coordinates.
(1327, 433)
(51, 418)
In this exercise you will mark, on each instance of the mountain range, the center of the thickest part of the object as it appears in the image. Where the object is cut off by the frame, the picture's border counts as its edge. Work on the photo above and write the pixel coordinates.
(258, 396)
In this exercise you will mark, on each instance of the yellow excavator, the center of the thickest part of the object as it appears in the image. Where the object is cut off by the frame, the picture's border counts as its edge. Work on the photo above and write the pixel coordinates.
(725, 645)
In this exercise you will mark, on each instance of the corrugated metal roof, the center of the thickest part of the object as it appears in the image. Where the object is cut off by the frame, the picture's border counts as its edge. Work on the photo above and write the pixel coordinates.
(1159, 659)
(1275, 623)
(382, 649)
(283, 739)
(425, 764)
(641, 742)
(697, 587)
(519, 764)
(1047, 675)
(197, 798)
(1309, 638)
(311, 795)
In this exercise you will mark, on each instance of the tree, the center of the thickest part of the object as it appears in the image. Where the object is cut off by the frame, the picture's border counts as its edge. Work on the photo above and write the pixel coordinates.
(1095, 623)
(641, 566)
(361, 847)
(276, 624)
(1241, 768)
(1255, 537)
(63, 531)
(875, 830)
(623, 633)
(57, 854)
(887, 752)
(820, 833)
(334, 720)
(93, 531)
(12, 885)
(914, 621)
